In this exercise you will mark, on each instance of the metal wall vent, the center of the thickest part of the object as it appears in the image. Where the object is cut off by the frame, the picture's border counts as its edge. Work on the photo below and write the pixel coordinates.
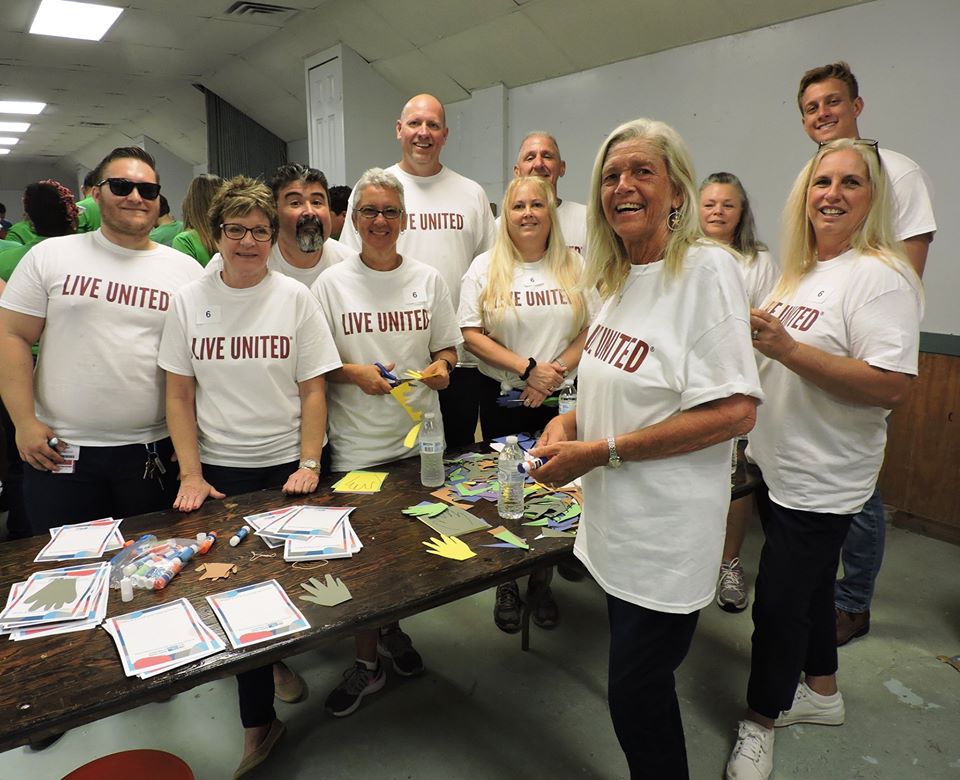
(265, 13)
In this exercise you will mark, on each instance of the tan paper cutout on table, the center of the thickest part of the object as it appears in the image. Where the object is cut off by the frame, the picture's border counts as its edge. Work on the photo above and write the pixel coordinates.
(217, 571)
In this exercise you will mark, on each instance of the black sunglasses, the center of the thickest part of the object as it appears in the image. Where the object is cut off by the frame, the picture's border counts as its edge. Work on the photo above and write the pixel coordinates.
(122, 187)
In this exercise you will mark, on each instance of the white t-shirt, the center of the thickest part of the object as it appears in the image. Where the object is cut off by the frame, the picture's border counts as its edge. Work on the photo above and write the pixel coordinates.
(573, 225)
(759, 277)
(913, 212)
(817, 452)
(538, 326)
(97, 383)
(448, 223)
(248, 349)
(333, 252)
(652, 531)
(398, 316)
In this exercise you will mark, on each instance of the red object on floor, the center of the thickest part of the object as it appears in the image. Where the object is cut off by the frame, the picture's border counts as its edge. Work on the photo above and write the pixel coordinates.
(154, 764)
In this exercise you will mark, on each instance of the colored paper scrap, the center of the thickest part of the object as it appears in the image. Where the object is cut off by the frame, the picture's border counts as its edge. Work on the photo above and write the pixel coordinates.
(454, 522)
(510, 537)
(360, 482)
(326, 594)
(449, 547)
(425, 509)
(445, 494)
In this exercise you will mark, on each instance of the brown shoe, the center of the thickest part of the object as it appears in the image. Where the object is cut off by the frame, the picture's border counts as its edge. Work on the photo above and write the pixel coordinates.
(293, 690)
(262, 753)
(851, 625)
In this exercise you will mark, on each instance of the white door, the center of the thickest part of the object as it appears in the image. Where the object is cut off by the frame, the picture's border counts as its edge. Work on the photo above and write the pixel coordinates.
(325, 119)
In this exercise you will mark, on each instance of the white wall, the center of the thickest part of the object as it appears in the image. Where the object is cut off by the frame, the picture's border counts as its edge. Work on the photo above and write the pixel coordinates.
(734, 101)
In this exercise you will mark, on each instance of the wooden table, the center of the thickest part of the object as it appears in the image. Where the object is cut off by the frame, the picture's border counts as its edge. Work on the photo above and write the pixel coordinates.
(60, 682)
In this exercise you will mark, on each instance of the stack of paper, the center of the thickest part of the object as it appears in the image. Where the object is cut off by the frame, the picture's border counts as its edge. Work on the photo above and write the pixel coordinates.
(82, 540)
(57, 601)
(360, 482)
(257, 613)
(161, 638)
(308, 533)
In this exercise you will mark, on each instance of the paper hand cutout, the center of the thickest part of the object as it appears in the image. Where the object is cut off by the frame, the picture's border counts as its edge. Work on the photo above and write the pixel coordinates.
(326, 595)
(217, 571)
(53, 595)
(425, 510)
(449, 547)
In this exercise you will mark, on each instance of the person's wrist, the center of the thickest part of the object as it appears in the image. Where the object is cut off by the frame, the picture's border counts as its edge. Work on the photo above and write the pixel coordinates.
(531, 364)
(449, 365)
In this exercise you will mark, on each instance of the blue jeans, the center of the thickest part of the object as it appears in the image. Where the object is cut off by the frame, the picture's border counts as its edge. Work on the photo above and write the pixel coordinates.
(862, 556)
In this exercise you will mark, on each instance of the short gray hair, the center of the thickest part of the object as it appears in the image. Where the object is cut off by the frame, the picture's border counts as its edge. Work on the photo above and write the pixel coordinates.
(377, 177)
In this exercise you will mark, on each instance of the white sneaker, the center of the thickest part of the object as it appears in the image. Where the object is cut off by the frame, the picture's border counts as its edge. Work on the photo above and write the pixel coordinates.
(752, 756)
(814, 708)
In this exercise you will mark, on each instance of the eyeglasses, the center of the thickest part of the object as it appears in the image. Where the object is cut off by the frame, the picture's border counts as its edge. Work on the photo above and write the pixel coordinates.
(237, 232)
(122, 187)
(390, 212)
(871, 142)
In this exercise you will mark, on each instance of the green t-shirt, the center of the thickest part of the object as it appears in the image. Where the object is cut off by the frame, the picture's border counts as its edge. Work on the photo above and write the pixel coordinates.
(164, 234)
(189, 243)
(89, 215)
(21, 232)
(11, 256)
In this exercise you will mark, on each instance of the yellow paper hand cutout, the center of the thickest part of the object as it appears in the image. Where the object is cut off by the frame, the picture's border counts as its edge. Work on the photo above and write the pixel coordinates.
(449, 547)
(402, 395)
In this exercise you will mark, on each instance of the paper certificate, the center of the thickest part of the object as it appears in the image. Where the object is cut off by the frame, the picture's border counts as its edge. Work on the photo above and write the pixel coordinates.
(257, 613)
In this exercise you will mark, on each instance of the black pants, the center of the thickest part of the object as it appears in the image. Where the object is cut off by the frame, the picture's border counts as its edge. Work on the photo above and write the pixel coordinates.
(255, 688)
(107, 482)
(458, 406)
(502, 421)
(646, 647)
(794, 623)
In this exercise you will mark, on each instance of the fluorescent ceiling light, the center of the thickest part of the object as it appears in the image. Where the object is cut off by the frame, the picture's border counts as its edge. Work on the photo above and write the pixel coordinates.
(67, 19)
(4, 150)
(20, 107)
(14, 127)
(8, 140)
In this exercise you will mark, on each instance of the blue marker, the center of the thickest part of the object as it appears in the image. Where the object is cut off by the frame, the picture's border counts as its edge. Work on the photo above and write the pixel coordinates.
(239, 536)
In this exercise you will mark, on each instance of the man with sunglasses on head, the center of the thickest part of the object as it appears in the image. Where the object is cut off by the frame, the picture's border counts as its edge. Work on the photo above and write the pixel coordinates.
(304, 248)
(90, 420)
(830, 104)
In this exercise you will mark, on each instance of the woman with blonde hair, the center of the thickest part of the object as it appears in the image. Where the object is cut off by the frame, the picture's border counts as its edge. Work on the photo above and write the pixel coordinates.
(197, 239)
(667, 379)
(524, 315)
(840, 338)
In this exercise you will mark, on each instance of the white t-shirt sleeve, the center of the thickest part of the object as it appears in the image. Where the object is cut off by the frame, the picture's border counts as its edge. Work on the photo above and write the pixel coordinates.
(25, 293)
(885, 330)
(174, 354)
(914, 211)
(474, 280)
(317, 354)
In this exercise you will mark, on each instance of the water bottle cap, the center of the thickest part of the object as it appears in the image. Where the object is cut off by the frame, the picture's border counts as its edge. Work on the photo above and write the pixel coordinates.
(511, 439)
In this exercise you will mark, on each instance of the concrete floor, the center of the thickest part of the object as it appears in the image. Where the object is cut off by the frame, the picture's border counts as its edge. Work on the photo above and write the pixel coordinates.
(484, 709)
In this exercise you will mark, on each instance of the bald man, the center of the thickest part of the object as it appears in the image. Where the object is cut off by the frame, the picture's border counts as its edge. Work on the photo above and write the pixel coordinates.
(447, 224)
(539, 155)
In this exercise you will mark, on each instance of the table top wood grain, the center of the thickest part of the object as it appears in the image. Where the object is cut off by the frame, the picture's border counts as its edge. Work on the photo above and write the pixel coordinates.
(60, 682)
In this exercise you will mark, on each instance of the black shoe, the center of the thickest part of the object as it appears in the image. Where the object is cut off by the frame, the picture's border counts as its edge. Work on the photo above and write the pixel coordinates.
(508, 607)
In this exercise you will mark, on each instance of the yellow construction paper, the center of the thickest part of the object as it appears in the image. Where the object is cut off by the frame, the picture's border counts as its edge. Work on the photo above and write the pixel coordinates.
(360, 482)
(411, 437)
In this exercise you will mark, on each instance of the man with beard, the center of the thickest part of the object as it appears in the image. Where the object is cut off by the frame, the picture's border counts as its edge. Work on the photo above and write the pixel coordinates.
(304, 248)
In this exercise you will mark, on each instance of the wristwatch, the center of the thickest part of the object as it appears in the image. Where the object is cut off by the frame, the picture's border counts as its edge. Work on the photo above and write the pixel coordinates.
(563, 366)
(531, 364)
(311, 464)
(615, 460)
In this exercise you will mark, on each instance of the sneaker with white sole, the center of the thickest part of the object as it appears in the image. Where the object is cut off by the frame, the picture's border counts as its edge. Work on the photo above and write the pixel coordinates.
(397, 646)
(731, 588)
(813, 708)
(357, 682)
(752, 756)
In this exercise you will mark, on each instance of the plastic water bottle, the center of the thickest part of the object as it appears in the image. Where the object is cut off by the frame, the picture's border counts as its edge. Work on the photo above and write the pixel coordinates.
(510, 500)
(568, 397)
(431, 452)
